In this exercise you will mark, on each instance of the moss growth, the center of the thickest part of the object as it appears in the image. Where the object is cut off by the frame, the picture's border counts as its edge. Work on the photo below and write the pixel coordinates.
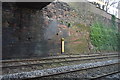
(104, 38)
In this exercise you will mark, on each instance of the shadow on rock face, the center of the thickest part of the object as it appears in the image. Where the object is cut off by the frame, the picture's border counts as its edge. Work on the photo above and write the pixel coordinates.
(51, 30)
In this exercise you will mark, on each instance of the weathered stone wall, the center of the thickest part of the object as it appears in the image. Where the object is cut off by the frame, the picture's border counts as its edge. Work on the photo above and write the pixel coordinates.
(33, 33)
(23, 30)
(78, 19)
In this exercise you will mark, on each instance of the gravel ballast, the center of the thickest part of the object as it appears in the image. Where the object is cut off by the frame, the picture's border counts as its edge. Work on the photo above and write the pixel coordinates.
(63, 69)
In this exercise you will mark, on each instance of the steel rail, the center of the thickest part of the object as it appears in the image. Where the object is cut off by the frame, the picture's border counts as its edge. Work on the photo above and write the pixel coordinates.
(56, 57)
(57, 71)
(75, 71)
(62, 61)
(104, 75)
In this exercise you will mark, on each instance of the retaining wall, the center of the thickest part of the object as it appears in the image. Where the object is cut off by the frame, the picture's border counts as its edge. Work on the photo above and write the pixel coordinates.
(28, 32)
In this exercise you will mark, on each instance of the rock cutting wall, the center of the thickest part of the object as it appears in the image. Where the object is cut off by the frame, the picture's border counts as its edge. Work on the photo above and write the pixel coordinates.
(34, 33)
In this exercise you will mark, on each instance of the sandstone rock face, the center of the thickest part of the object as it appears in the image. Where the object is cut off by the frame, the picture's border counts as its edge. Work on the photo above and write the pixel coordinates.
(34, 33)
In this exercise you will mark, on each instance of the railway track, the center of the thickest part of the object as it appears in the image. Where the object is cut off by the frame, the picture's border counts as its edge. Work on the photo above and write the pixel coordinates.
(61, 61)
(104, 75)
(56, 57)
(101, 76)
(50, 60)
(39, 74)
(14, 66)
(26, 65)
